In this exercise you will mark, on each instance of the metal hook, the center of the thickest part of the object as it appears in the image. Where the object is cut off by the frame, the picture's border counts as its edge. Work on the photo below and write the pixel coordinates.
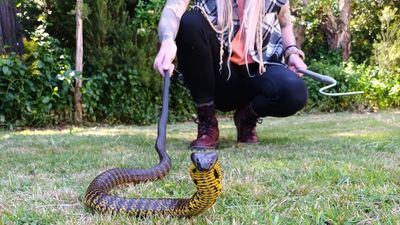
(329, 81)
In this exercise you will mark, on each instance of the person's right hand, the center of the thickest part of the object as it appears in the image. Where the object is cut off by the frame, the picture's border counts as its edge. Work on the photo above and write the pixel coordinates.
(165, 57)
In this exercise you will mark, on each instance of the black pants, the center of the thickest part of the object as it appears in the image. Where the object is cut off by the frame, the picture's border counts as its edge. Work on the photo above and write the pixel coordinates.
(278, 92)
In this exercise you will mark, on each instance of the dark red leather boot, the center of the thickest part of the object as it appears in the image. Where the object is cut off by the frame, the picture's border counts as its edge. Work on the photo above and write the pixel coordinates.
(207, 129)
(246, 121)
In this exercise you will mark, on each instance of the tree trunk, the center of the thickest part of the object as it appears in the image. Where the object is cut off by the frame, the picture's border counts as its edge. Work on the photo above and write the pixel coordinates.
(10, 29)
(344, 38)
(299, 30)
(78, 62)
(337, 29)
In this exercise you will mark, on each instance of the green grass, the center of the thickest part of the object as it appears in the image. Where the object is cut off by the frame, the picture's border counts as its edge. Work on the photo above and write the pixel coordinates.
(309, 169)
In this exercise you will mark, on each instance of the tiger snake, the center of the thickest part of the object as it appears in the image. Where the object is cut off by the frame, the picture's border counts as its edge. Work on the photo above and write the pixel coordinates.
(204, 171)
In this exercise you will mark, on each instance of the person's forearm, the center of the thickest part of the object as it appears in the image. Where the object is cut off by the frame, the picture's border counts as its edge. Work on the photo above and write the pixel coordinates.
(170, 18)
(288, 38)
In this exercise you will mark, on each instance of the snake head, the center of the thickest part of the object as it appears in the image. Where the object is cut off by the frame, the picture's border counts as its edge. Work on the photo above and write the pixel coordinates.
(204, 161)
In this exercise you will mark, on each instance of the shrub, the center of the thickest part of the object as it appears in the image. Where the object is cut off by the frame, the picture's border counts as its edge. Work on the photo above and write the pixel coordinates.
(366, 26)
(120, 85)
(381, 87)
(35, 88)
(29, 13)
(347, 81)
(381, 78)
(386, 48)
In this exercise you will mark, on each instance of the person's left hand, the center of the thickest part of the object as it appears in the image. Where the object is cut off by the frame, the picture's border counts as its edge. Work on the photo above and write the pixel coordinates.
(295, 64)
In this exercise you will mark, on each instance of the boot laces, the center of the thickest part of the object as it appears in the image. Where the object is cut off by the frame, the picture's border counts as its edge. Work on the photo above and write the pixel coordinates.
(203, 125)
(251, 124)
(204, 122)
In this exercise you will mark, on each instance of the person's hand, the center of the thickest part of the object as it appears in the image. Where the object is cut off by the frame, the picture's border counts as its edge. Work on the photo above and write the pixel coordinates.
(295, 64)
(165, 57)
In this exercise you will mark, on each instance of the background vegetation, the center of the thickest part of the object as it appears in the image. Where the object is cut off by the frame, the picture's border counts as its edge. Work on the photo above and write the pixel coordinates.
(120, 40)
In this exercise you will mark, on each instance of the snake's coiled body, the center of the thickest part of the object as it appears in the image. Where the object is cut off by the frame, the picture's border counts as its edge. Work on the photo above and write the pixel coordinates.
(204, 171)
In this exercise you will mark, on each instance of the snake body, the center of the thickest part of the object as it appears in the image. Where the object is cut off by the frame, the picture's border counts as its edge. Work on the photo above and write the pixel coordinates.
(204, 171)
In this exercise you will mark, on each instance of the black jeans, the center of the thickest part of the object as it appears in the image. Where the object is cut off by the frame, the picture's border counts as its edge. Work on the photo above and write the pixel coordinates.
(278, 92)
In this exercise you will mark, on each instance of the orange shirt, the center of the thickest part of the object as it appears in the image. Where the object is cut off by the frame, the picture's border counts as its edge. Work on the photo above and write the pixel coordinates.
(238, 41)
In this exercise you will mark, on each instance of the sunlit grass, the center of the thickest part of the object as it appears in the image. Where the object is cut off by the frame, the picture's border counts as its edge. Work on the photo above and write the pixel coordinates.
(309, 169)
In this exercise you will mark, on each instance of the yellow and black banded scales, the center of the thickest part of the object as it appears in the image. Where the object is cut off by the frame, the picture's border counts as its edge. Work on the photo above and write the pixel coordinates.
(204, 171)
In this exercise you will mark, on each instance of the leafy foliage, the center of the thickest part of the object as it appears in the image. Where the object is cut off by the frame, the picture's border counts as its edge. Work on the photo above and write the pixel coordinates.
(381, 87)
(120, 84)
(366, 26)
(346, 81)
(35, 88)
(312, 18)
(29, 13)
(61, 21)
(374, 65)
(386, 48)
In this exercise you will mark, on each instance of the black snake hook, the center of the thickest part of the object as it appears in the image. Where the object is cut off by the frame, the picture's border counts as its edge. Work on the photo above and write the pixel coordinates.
(161, 136)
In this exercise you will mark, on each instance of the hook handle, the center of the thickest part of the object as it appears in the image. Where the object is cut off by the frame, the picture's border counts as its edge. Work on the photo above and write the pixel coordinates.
(316, 76)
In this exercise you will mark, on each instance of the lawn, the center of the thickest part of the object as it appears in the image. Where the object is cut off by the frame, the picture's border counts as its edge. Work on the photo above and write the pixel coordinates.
(309, 169)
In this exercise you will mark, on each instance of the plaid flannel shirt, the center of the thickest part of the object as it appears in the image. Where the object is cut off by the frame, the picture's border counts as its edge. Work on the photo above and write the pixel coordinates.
(272, 40)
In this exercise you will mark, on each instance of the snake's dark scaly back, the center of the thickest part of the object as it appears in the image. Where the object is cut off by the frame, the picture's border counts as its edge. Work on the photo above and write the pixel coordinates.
(208, 182)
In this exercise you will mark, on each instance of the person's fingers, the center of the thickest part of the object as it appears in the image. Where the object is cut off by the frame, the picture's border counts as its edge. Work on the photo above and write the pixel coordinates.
(169, 57)
(165, 57)
(162, 62)
(167, 61)
(293, 68)
(299, 74)
(301, 67)
(158, 61)
(171, 69)
(296, 64)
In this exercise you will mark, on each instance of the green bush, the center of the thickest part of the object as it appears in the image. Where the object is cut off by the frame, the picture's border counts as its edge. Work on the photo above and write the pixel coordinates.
(381, 78)
(120, 41)
(365, 26)
(29, 14)
(60, 19)
(386, 48)
(374, 65)
(347, 81)
(381, 87)
(120, 85)
(35, 88)
(312, 17)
